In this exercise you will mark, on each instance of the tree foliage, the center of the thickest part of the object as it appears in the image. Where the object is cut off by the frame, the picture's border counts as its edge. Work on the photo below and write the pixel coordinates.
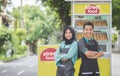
(116, 14)
(39, 23)
(114, 38)
(5, 38)
(2, 4)
(62, 8)
(21, 33)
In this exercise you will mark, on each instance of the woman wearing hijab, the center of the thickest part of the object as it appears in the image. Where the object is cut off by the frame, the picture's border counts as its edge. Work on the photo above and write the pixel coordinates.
(66, 54)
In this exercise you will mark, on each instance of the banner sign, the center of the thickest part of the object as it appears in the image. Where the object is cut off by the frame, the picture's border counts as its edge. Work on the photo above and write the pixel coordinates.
(91, 8)
(46, 63)
(47, 54)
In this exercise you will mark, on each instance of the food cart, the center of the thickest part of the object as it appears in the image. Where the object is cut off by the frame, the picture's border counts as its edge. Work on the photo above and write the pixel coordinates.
(99, 12)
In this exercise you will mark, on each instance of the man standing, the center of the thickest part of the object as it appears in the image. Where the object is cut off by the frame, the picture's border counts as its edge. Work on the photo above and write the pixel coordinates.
(89, 50)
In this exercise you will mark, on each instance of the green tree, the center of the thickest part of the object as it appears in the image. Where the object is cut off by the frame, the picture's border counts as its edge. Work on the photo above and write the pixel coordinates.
(116, 18)
(39, 24)
(16, 15)
(116, 14)
(5, 38)
(21, 33)
(62, 8)
(114, 38)
(3, 3)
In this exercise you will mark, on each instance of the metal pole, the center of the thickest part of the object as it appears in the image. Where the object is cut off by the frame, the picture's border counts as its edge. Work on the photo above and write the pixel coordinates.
(21, 14)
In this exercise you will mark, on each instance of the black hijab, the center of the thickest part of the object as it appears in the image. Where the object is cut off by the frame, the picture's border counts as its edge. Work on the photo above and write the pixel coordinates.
(73, 35)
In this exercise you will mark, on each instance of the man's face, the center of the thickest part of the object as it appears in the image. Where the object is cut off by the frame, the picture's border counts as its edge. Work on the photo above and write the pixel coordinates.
(88, 31)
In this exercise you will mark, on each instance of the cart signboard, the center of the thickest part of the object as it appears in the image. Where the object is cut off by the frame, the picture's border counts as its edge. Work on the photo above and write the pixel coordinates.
(46, 62)
(89, 8)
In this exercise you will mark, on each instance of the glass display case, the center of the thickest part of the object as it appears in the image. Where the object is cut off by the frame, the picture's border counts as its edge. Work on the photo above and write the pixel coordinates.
(99, 15)
(98, 21)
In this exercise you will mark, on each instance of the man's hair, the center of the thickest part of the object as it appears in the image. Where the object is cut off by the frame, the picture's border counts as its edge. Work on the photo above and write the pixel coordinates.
(88, 24)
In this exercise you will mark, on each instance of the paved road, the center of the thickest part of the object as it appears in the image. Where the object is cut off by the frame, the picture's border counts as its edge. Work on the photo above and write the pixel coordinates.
(26, 66)
(115, 64)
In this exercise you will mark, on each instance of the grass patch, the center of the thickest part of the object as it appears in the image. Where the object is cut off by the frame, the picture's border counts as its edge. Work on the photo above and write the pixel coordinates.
(15, 56)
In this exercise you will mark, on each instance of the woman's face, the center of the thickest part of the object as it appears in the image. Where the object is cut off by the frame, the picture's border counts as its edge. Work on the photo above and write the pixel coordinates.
(68, 34)
(88, 31)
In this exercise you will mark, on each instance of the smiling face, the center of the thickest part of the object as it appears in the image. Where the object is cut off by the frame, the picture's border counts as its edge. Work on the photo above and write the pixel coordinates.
(68, 34)
(88, 31)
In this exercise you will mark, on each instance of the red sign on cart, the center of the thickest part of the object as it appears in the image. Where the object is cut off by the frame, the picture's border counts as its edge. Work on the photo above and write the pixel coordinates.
(47, 54)
(92, 9)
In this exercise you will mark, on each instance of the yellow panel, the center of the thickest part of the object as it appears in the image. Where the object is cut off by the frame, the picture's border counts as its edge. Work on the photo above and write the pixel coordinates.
(104, 66)
(48, 68)
(81, 8)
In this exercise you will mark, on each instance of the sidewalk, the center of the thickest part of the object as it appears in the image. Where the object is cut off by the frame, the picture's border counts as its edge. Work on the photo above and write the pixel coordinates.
(1, 62)
(115, 63)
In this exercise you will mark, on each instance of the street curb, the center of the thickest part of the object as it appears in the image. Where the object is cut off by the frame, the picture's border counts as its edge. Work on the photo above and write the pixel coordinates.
(13, 59)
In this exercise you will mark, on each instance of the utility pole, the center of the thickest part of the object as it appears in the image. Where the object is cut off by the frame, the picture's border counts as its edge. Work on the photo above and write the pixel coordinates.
(21, 14)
